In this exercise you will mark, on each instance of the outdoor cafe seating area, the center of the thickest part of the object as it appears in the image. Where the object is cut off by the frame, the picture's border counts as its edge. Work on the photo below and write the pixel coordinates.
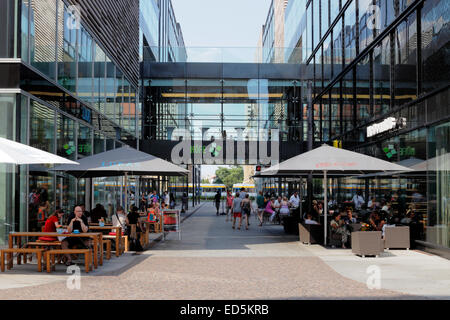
(45, 248)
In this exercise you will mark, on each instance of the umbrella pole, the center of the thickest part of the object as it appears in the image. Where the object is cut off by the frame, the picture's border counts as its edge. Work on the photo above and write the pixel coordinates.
(126, 191)
(325, 206)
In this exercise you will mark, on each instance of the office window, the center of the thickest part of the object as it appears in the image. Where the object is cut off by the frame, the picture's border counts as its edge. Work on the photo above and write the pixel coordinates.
(84, 141)
(110, 88)
(67, 49)
(316, 23)
(350, 33)
(435, 44)
(43, 36)
(363, 109)
(324, 17)
(25, 22)
(348, 100)
(335, 7)
(66, 133)
(326, 117)
(99, 143)
(365, 23)
(85, 67)
(337, 48)
(327, 62)
(42, 127)
(99, 78)
(119, 97)
(309, 39)
(382, 77)
(405, 68)
(335, 110)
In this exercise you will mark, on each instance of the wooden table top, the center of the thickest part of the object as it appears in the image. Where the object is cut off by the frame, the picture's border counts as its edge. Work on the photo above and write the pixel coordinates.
(54, 234)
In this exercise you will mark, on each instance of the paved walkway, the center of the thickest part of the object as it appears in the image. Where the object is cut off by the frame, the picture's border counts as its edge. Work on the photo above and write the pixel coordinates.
(215, 262)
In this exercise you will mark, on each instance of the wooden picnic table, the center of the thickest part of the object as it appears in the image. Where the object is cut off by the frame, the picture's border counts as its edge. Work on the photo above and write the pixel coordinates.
(96, 237)
(118, 231)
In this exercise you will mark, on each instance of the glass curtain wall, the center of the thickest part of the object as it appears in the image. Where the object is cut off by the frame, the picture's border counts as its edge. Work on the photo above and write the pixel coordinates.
(13, 181)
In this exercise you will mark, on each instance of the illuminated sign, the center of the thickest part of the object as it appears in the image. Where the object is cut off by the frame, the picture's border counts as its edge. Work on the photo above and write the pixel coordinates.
(387, 125)
(86, 114)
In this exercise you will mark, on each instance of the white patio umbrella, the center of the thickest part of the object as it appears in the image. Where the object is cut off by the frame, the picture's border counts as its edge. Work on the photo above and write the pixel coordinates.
(20, 154)
(329, 160)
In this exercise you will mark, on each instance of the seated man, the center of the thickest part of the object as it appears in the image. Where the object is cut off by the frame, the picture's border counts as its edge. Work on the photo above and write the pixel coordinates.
(338, 227)
(77, 221)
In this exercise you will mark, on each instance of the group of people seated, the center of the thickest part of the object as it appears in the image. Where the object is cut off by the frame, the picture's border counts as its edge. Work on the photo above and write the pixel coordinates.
(78, 222)
(276, 207)
(377, 217)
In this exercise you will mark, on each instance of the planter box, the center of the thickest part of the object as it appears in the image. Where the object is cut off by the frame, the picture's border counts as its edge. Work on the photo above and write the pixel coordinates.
(397, 238)
(310, 233)
(368, 243)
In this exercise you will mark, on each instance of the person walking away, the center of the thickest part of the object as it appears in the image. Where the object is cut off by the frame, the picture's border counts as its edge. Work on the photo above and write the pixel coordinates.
(246, 205)
(237, 211)
(184, 202)
(230, 199)
(217, 199)
(261, 206)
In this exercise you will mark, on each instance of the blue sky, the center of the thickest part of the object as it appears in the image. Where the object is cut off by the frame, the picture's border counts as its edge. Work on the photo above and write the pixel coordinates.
(221, 23)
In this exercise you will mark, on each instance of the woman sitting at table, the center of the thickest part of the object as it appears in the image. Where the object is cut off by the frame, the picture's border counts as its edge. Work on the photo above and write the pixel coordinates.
(52, 224)
(338, 227)
(80, 223)
(119, 219)
(375, 221)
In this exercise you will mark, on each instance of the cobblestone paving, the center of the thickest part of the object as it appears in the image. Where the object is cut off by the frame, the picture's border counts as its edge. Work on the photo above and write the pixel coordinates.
(215, 262)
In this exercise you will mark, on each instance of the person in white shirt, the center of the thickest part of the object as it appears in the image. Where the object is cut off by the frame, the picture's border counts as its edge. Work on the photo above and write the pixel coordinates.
(295, 200)
(309, 220)
(167, 198)
(358, 200)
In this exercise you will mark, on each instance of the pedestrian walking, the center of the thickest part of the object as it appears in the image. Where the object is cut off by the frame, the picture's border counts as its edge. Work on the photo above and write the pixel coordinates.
(217, 199)
(230, 199)
(246, 205)
(237, 211)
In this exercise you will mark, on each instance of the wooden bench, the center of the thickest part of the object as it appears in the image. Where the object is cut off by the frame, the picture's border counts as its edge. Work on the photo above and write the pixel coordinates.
(41, 245)
(50, 257)
(20, 252)
(107, 244)
(123, 243)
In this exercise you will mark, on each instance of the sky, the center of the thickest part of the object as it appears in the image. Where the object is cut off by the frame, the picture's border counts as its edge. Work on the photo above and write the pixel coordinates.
(221, 23)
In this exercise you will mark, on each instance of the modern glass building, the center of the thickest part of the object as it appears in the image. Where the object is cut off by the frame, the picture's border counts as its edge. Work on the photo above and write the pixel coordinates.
(380, 85)
(70, 86)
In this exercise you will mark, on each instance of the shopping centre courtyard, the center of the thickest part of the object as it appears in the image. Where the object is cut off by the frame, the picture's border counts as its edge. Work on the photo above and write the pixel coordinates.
(213, 261)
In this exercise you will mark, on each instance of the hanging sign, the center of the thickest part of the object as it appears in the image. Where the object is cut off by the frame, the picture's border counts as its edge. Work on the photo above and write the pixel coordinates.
(390, 123)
